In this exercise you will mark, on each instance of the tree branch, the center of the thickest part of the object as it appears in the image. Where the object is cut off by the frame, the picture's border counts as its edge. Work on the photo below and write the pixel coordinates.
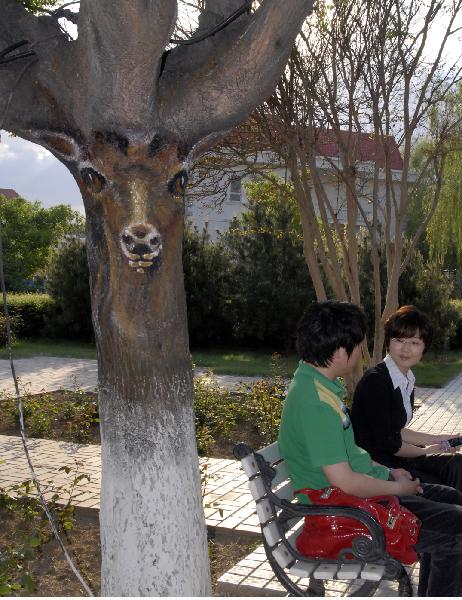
(33, 84)
(215, 94)
(121, 45)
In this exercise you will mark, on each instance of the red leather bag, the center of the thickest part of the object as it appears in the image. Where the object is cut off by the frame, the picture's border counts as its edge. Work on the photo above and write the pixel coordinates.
(326, 536)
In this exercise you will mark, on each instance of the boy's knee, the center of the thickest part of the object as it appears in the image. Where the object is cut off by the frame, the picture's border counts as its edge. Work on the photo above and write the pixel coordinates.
(442, 493)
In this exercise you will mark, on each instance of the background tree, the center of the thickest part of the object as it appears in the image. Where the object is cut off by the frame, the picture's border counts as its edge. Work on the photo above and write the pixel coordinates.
(126, 112)
(68, 285)
(423, 284)
(208, 281)
(444, 234)
(362, 73)
(270, 279)
(29, 233)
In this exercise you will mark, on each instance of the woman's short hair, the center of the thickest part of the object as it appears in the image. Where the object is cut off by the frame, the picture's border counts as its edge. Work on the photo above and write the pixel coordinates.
(327, 326)
(406, 322)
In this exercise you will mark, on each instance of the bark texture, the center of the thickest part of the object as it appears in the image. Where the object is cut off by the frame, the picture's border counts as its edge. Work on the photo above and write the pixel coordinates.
(127, 117)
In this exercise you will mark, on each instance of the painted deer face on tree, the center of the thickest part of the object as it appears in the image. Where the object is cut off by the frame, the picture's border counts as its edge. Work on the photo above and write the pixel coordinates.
(136, 192)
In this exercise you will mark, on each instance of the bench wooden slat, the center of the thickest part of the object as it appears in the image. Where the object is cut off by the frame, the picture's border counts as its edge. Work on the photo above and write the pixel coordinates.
(286, 492)
(249, 465)
(326, 571)
(349, 570)
(302, 569)
(264, 511)
(271, 533)
(283, 556)
(281, 474)
(257, 488)
(372, 572)
(271, 453)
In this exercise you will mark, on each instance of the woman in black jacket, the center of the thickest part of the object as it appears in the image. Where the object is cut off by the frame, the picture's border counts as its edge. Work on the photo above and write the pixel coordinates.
(383, 404)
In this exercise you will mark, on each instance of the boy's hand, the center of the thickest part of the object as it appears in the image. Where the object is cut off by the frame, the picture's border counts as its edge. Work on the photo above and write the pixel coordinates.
(400, 473)
(409, 487)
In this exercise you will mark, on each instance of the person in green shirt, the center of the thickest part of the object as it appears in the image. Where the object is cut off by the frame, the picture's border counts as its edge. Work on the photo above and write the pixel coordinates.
(317, 443)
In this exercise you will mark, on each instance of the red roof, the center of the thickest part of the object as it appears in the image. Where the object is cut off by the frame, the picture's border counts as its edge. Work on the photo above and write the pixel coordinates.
(9, 193)
(363, 145)
(325, 141)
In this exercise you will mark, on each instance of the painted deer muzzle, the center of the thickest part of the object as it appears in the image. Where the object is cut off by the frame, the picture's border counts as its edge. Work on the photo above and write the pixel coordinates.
(142, 245)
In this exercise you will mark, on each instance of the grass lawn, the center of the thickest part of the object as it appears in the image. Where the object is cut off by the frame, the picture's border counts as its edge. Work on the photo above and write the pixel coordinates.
(243, 362)
(436, 371)
(433, 371)
(44, 347)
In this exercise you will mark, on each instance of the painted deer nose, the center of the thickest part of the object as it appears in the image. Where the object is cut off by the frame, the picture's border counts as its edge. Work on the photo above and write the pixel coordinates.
(141, 243)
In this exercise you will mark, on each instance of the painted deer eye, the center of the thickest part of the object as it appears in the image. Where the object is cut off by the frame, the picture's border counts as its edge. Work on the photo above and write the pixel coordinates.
(177, 185)
(93, 180)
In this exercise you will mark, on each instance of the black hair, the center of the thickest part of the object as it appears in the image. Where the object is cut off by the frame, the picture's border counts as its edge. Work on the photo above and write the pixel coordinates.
(406, 322)
(327, 326)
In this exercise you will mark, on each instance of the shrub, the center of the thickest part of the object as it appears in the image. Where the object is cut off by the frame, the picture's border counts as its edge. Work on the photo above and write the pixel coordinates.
(67, 282)
(71, 417)
(455, 341)
(426, 285)
(29, 313)
(264, 401)
(270, 283)
(28, 234)
(423, 284)
(216, 412)
(14, 325)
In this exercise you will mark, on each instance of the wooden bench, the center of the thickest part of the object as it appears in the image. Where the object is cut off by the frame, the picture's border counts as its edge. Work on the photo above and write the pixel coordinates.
(281, 517)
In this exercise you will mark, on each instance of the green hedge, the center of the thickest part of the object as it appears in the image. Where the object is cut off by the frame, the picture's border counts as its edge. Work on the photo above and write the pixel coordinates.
(29, 312)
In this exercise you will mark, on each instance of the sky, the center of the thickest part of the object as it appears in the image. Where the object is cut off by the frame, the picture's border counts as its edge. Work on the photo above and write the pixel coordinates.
(36, 174)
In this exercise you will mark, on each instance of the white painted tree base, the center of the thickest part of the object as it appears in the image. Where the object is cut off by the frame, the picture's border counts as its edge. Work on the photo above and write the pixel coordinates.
(151, 491)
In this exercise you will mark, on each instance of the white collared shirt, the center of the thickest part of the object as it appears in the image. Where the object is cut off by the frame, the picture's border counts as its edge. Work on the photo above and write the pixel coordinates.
(404, 382)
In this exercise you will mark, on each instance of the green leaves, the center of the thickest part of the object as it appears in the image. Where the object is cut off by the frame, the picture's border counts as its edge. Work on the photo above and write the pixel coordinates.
(36, 6)
(29, 233)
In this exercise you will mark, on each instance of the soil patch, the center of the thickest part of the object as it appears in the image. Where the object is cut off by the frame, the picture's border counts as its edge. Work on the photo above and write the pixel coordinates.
(59, 415)
(73, 417)
(51, 574)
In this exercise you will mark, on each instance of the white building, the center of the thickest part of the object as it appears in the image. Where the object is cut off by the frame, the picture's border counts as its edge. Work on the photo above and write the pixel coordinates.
(216, 213)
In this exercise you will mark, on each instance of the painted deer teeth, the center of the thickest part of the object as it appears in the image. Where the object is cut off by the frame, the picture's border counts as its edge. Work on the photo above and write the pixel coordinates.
(139, 263)
(133, 256)
(150, 255)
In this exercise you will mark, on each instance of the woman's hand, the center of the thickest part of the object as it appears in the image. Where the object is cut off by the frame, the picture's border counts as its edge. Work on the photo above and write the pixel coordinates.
(444, 443)
(439, 448)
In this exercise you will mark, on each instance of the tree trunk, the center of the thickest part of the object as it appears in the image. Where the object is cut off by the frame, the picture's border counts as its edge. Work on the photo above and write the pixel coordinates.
(149, 454)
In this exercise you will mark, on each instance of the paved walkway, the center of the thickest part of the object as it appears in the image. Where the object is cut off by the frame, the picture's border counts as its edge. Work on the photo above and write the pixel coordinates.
(228, 505)
(45, 373)
(227, 501)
